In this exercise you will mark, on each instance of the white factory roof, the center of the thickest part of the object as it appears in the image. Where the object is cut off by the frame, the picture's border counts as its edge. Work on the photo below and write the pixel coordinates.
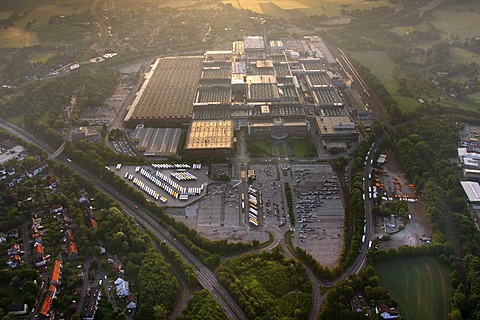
(472, 190)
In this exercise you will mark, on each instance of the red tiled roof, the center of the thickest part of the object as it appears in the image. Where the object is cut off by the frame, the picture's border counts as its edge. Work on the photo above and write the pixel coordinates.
(56, 271)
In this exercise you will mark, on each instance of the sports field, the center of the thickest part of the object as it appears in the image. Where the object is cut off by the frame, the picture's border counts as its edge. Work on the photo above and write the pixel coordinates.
(330, 8)
(421, 287)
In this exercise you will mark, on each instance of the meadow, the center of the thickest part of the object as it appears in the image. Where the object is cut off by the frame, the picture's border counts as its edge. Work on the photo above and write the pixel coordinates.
(421, 287)
(382, 67)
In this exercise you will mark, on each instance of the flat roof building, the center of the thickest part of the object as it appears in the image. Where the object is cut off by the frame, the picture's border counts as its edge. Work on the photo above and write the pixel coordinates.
(253, 43)
(168, 91)
(336, 128)
(157, 141)
(208, 135)
(472, 190)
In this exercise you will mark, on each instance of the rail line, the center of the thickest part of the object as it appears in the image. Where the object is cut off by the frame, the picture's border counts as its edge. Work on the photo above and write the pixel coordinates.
(354, 72)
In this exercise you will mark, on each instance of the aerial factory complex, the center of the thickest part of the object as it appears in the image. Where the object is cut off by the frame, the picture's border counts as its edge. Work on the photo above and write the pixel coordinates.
(273, 88)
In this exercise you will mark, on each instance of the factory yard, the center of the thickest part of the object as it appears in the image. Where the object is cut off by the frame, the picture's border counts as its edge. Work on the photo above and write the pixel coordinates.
(219, 216)
(394, 186)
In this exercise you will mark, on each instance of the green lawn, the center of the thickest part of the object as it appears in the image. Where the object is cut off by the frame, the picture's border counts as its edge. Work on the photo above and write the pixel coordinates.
(42, 56)
(420, 286)
(259, 147)
(304, 147)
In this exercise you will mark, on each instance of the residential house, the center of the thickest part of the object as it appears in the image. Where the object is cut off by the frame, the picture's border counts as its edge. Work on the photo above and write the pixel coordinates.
(386, 312)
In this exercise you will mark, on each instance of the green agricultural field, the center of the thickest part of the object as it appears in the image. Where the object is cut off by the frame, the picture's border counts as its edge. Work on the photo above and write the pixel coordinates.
(17, 38)
(332, 8)
(459, 20)
(421, 287)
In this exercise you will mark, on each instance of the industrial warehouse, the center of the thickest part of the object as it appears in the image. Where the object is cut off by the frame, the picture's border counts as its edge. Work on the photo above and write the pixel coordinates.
(274, 88)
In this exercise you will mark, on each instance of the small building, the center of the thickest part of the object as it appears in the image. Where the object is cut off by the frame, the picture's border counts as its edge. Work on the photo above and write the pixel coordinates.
(85, 133)
(72, 252)
(17, 309)
(386, 312)
(121, 287)
(472, 190)
(56, 208)
(55, 279)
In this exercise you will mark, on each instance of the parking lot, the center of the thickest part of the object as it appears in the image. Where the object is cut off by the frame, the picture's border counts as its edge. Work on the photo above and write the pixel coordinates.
(122, 146)
(202, 179)
(219, 216)
(220, 170)
(271, 195)
(319, 212)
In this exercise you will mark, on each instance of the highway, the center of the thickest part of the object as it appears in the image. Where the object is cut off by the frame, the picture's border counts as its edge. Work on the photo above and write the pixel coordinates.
(205, 276)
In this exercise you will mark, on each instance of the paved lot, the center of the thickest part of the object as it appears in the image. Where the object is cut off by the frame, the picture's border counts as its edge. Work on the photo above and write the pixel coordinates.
(271, 195)
(394, 183)
(319, 212)
(219, 216)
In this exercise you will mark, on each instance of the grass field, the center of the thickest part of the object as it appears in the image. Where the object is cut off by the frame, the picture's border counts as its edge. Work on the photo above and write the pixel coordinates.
(302, 147)
(459, 55)
(259, 147)
(42, 56)
(382, 67)
(17, 38)
(461, 20)
(475, 96)
(330, 8)
(380, 64)
(421, 287)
